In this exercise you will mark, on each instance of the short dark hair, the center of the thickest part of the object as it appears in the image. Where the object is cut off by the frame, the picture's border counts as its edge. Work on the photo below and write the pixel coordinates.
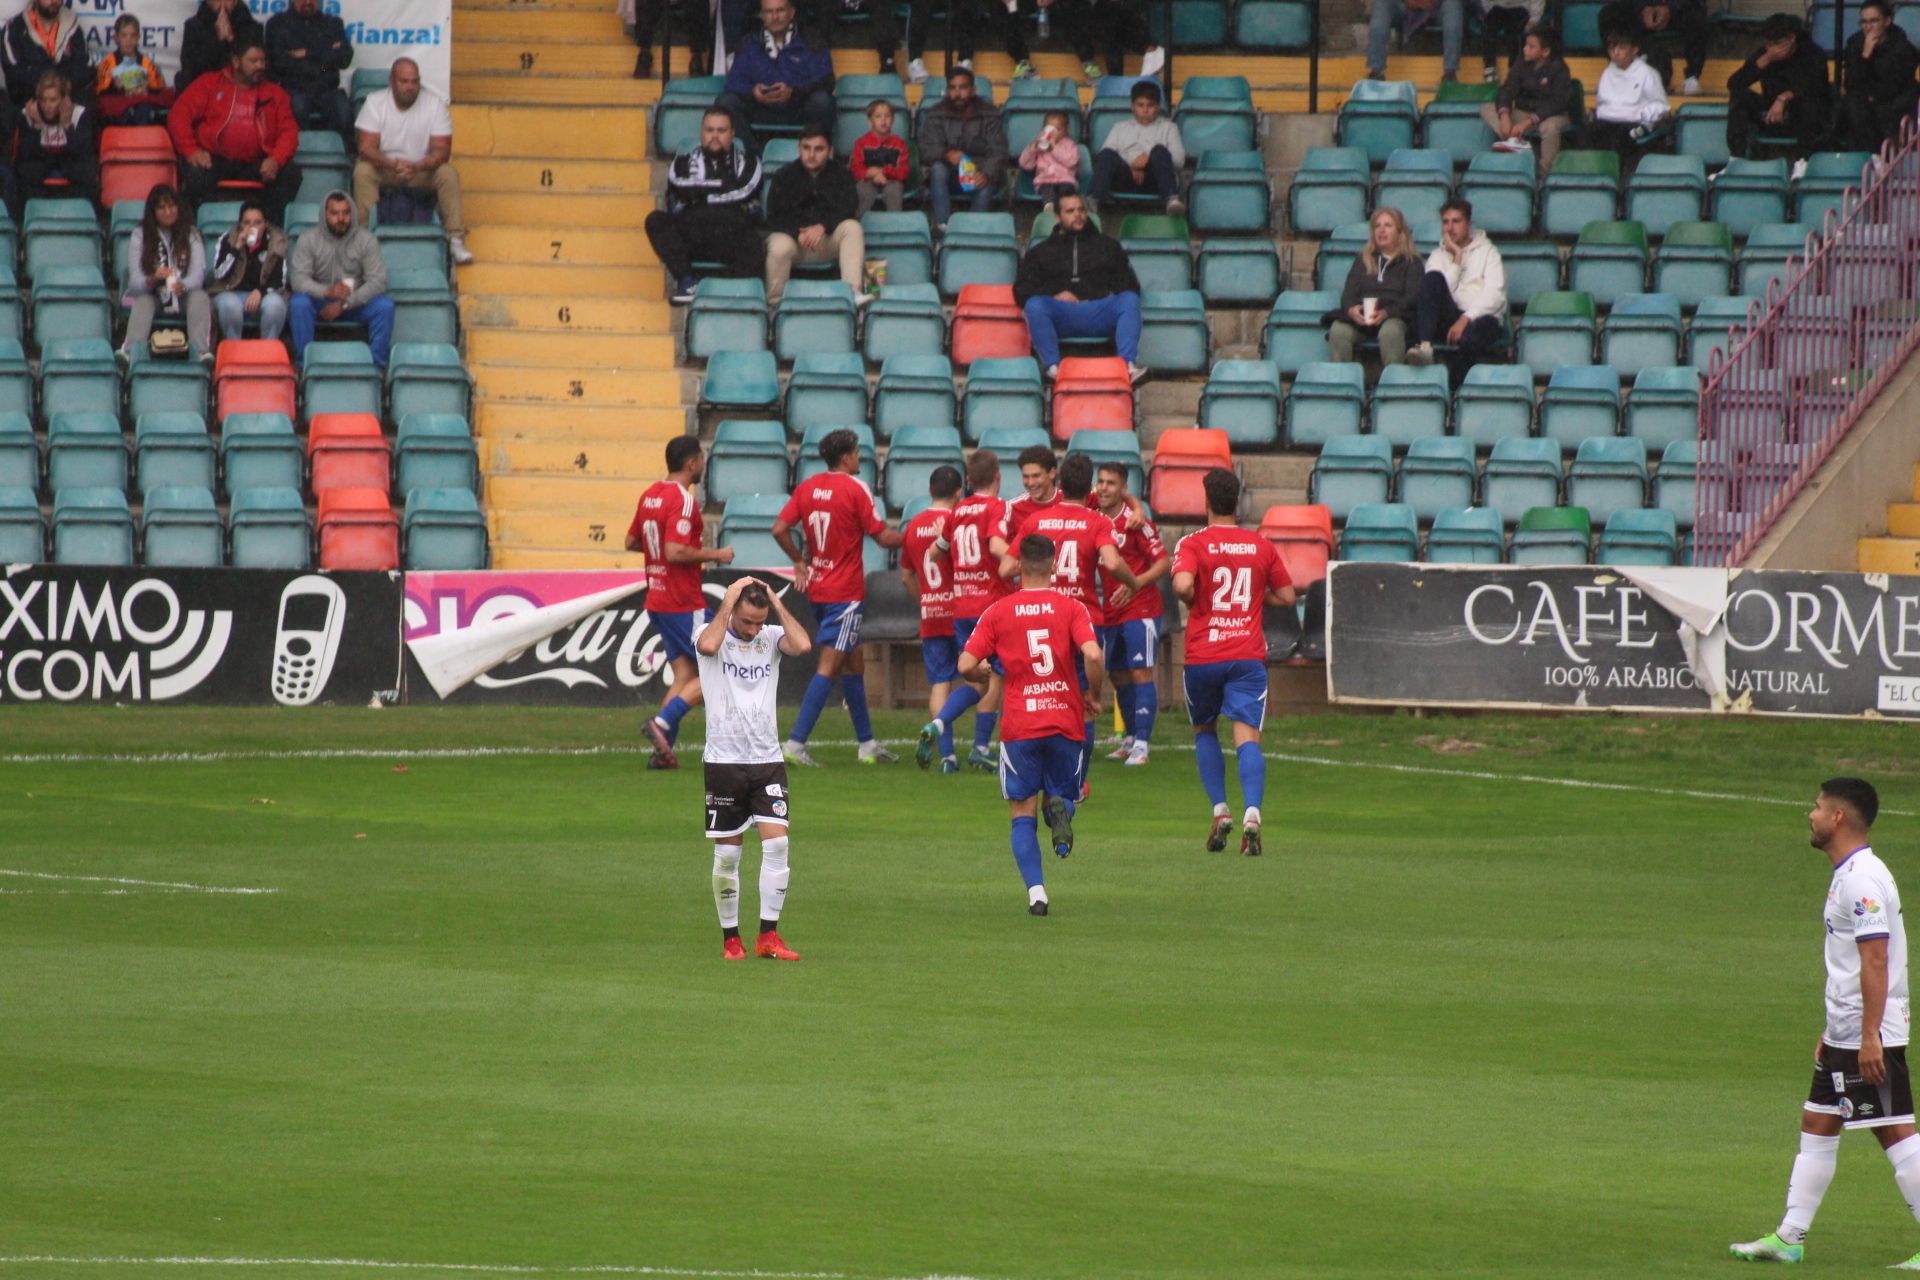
(243, 44)
(944, 483)
(1855, 793)
(53, 76)
(681, 450)
(1223, 491)
(1548, 37)
(960, 73)
(1779, 26)
(1036, 552)
(817, 130)
(126, 20)
(982, 467)
(756, 595)
(1465, 208)
(337, 197)
(1623, 35)
(716, 110)
(837, 444)
(1884, 6)
(1076, 476)
(1039, 455)
(1145, 91)
(1113, 467)
(253, 206)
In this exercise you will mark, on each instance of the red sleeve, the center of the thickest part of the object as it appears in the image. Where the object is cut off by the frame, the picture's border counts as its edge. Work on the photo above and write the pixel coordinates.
(1103, 534)
(1276, 568)
(186, 113)
(286, 131)
(1185, 559)
(869, 519)
(1155, 548)
(633, 530)
(791, 513)
(1079, 626)
(680, 529)
(899, 169)
(981, 643)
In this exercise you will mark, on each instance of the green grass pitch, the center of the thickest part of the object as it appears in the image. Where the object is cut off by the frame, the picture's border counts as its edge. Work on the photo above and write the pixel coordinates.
(1460, 1020)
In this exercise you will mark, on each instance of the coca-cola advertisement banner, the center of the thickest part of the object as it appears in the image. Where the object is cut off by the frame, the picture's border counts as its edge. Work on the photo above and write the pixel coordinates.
(74, 633)
(559, 638)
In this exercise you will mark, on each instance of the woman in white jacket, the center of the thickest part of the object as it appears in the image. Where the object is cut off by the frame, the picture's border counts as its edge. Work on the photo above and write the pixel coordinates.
(1631, 100)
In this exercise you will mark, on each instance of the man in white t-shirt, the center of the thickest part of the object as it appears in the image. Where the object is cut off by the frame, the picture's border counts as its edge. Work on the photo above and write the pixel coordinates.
(1860, 1060)
(739, 653)
(406, 140)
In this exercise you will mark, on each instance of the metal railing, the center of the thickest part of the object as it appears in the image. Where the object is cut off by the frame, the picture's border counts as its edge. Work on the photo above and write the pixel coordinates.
(1811, 356)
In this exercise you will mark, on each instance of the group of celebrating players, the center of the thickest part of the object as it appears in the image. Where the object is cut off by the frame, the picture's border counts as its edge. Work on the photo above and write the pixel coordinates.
(1027, 609)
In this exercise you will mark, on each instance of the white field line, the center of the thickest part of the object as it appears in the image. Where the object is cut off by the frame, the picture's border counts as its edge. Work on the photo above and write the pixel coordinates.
(469, 1268)
(124, 884)
(473, 753)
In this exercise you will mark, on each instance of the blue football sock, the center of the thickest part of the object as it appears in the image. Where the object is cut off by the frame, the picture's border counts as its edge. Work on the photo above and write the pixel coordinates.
(1253, 773)
(1213, 765)
(671, 715)
(1026, 849)
(819, 689)
(1146, 705)
(1086, 750)
(983, 726)
(855, 689)
(946, 740)
(958, 703)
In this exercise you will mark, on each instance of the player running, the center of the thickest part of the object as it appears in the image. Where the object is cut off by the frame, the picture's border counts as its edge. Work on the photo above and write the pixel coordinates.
(1860, 1060)
(667, 529)
(1130, 641)
(835, 508)
(1227, 575)
(977, 520)
(1037, 633)
(740, 653)
(926, 563)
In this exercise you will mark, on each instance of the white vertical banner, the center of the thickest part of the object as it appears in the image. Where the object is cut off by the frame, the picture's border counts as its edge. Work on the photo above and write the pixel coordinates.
(379, 30)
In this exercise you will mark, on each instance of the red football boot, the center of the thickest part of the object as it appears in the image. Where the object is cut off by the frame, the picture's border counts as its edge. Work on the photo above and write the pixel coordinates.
(663, 756)
(734, 950)
(771, 948)
(1217, 837)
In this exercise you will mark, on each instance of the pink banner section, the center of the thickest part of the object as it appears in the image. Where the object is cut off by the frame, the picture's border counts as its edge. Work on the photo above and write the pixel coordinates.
(438, 603)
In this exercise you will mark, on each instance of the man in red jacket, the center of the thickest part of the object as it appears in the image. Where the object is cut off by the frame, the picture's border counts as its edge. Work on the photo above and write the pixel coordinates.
(237, 126)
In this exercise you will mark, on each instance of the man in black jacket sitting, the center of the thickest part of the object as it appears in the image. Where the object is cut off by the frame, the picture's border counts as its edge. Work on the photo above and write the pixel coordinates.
(812, 210)
(1877, 88)
(709, 213)
(1781, 91)
(1078, 284)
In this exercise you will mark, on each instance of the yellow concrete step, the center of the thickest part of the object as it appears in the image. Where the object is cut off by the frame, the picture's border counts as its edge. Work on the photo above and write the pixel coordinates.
(537, 27)
(539, 54)
(1916, 482)
(1889, 555)
(518, 208)
(594, 530)
(551, 133)
(566, 311)
(649, 284)
(536, 177)
(641, 388)
(555, 91)
(595, 499)
(1903, 519)
(506, 419)
(595, 459)
(529, 559)
(581, 352)
(566, 246)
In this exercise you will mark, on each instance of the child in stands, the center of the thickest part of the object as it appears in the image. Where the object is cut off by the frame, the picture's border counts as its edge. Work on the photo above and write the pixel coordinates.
(879, 161)
(128, 88)
(1053, 159)
(1630, 101)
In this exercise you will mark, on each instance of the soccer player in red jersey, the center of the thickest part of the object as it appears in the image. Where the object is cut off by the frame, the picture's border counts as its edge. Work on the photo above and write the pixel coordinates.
(1131, 637)
(1227, 576)
(977, 520)
(1039, 474)
(1039, 635)
(835, 510)
(926, 562)
(667, 529)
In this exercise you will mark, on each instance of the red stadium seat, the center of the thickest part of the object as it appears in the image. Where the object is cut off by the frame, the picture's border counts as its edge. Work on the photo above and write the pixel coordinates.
(358, 530)
(1095, 393)
(1303, 536)
(264, 390)
(1181, 461)
(134, 159)
(348, 452)
(250, 351)
(986, 323)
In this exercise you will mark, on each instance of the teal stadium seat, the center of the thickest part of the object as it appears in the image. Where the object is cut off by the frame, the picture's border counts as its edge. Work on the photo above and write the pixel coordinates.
(726, 315)
(339, 377)
(267, 528)
(1553, 535)
(1380, 532)
(1674, 484)
(1533, 267)
(1330, 189)
(1230, 194)
(741, 380)
(676, 119)
(92, 525)
(1336, 256)
(1452, 123)
(1294, 336)
(913, 390)
(815, 316)
(1378, 117)
(979, 248)
(905, 241)
(1665, 190)
(1522, 472)
(1717, 324)
(914, 454)
(1558, 329)
(809, 463)
(1410, 404)
(70, 303)
(1642, 332)
(1694, 262)
(1215, 113)
(1437, 473)
(825, 388)
(1197, 24)
(1273, 25)
(1351, 470)
(23, 533)
(182, 529)
(16, 379)
(1494, 403)
(905, 319)
(1664, 406)
(19, 455)
(1608, 474)
(1467, 535)
(172, 450)
(1006, 443)
(435, 451)
(1328, 401)
(166, 386)
(1609, 261)
(1639, 537)
(1580, 401)
(1160, 249)
(61, 233)
(853, 93)
(1700, 131)
(1584, 187)
(427, 377)
(1174, 336)
(1500, 186)
(1112, 446)
(85, 451)
(424, 309)
(1748, 193)
(1415, 181)
(746, 525)
(1828, 175)
(260, 451)
(1238, 273)
(1003, 392)
(1243, 398)
(445, 530)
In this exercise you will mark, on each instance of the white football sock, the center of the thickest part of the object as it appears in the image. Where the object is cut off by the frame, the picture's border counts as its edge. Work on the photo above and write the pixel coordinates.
(773, 877)
(1904, 1155)
(939, 725)
(1038, 893)
(1812, 1175)
(726, 884)
(1253, 817)
(1221, 811)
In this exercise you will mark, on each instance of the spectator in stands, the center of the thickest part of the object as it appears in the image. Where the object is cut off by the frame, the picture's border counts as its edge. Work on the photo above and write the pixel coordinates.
(1629, 102)
(1142, 156)
(1381, 298)
(1112, 28)
(971, 17)
(306, 52)
(1504, 25)
(406, 144)
(1657, 26)
(127, 87)
(340, 276)
(1536, 99)
(45, 36)
(778, 78)
(1779, 91)
(1416, 12)
(235, 125)
(250, 275)
(963, 140)
(813, 211)
(1053, 159)
(1077, 283)
(696, 24)
(210, 36)
(166, 272)
(1877, 89)
(709, 213)
(1463, 295)
(880, 161)
(58, 140)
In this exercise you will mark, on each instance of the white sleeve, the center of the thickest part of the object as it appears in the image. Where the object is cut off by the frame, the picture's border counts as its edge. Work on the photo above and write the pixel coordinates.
(1868, 899)
(442, 126)
(371, 119)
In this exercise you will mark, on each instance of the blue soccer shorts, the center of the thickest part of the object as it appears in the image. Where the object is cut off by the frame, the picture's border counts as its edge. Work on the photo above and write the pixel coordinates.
(677, 631)
(1132, 646)
(962, 632)
(838, 625)
(1036, 765)
(1236, 690)
(940, 655)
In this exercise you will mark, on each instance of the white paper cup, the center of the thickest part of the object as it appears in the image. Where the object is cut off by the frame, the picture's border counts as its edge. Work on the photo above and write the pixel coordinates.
(1370, 309)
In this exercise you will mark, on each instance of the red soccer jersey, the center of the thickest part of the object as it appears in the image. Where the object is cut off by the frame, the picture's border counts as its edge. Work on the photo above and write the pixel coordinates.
(1036, 634)
(1077, 535)
(668, 513)
(1141, 548)
(835, 512)
(1232, 570)
(975, 521)
(926, 553)
(1018, 512)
